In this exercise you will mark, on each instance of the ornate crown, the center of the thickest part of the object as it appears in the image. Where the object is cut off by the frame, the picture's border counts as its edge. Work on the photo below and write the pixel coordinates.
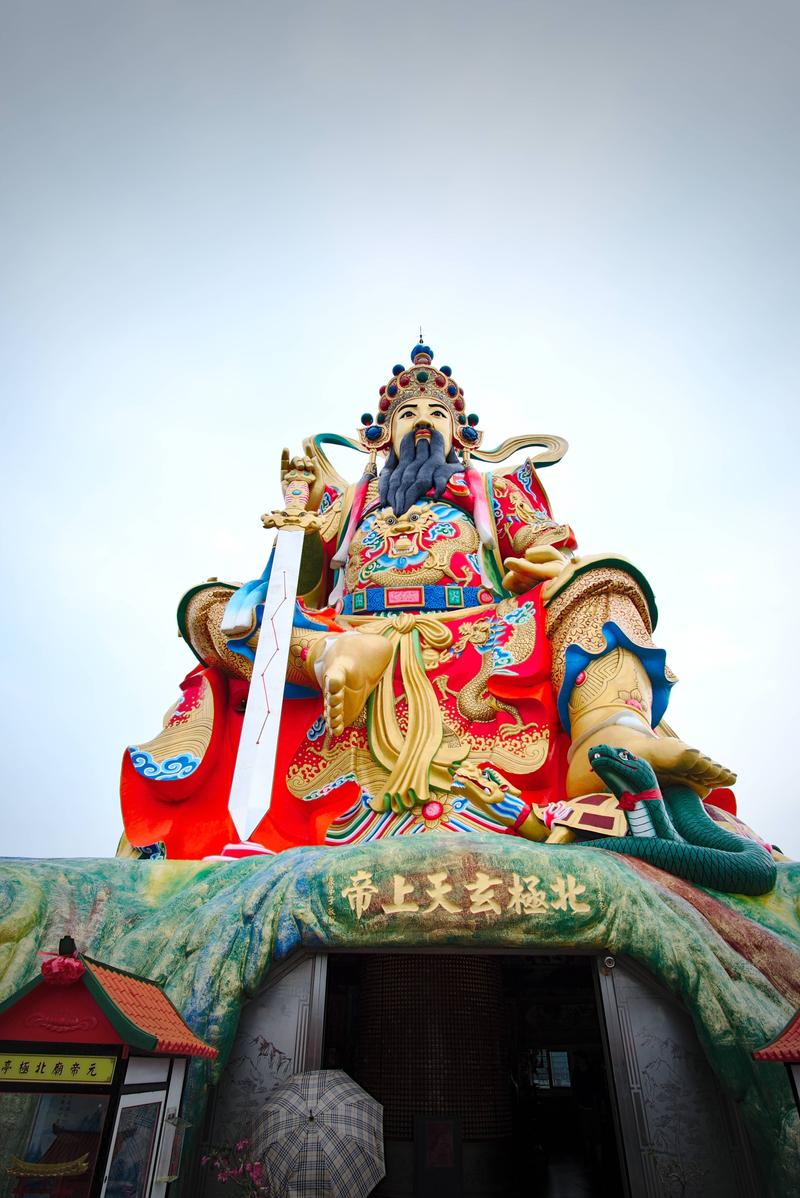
(408, 383)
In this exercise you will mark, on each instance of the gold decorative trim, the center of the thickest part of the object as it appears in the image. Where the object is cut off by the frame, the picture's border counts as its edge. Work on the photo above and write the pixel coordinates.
(74, 1168)
(588, 601)
(203, 618)
(191, 733)
(554, 449)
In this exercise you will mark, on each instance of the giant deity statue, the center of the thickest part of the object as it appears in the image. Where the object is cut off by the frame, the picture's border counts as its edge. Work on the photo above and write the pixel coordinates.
(453, 666)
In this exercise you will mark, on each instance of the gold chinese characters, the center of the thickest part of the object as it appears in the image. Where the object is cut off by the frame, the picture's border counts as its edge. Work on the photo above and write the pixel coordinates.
(490, 895)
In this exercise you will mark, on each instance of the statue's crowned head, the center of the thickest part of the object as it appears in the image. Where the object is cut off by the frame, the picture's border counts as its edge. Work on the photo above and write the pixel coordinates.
(422, 426)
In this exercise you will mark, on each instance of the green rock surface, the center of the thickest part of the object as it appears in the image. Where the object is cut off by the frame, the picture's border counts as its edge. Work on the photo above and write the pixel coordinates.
(207, 933)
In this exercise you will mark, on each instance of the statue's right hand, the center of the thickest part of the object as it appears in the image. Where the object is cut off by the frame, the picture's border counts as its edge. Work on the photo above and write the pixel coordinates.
(541, 563)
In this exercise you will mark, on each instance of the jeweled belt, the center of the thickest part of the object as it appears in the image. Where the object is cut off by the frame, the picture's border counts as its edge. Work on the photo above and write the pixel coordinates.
(434, 598)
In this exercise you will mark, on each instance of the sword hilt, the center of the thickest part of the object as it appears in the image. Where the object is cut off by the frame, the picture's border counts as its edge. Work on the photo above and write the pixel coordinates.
(295, 495)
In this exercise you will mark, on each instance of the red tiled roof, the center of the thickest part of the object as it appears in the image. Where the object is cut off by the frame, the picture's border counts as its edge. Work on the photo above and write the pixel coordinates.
(785, 1047)
(69, 1145)
(147, 1007)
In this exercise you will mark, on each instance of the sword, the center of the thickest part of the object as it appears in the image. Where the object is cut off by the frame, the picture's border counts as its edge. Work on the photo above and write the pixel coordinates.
(251, 789)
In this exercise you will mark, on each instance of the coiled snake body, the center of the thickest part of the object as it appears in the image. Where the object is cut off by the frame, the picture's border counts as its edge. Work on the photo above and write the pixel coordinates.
(687, 841)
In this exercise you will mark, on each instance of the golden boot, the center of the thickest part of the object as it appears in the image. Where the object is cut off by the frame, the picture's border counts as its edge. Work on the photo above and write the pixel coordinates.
(611, 703)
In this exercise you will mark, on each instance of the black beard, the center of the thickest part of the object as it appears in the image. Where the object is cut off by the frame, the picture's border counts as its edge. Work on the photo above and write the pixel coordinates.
(420, 466)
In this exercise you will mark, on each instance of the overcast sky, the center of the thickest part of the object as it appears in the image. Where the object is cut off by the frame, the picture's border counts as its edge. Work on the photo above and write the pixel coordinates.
(222, 223)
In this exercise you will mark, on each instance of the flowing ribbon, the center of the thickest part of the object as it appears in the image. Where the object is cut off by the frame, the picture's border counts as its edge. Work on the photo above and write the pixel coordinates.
(483, 520)
(628, 801)
(356, 511)
(481, 513)
(339, 559)
(514, 829)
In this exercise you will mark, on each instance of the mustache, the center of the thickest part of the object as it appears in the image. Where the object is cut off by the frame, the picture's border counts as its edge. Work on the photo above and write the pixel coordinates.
(406, 477)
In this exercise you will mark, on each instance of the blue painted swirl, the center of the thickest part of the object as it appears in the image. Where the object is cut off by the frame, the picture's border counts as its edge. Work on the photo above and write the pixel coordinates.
(170, 770)
(317, 729)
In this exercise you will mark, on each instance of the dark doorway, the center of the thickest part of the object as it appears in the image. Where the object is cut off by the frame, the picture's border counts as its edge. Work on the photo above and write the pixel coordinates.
(490, 1070)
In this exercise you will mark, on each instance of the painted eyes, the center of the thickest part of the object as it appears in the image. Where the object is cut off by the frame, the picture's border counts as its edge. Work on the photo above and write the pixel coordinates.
(625, 755)
(436, 414)
(415, 516)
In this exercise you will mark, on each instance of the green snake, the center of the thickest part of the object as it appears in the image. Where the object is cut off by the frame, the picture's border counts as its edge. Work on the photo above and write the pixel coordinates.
(687, 841)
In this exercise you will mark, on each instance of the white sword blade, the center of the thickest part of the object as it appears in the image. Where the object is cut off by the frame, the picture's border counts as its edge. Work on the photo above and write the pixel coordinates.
(251, 791)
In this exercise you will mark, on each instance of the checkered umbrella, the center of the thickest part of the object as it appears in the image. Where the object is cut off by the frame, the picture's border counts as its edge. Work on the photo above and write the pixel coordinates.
(320, 1136)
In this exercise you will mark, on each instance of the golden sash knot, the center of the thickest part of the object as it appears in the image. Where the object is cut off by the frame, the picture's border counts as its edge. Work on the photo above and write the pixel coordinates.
(417, 759)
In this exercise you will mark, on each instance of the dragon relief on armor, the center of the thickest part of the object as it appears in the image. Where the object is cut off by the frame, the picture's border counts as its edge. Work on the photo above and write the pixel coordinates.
(536, 527)
(501, 642)
(416, 547)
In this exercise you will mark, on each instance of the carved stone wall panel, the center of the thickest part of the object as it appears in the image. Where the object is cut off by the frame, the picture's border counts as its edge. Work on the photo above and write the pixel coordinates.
(279, 1034)
(682, 1136)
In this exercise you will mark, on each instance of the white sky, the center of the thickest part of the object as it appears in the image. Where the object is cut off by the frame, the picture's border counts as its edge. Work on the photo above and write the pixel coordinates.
(220, 226)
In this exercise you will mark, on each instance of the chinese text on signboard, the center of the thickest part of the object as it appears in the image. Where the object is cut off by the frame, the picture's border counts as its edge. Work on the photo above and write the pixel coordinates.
(39, 1068)
(488, 895)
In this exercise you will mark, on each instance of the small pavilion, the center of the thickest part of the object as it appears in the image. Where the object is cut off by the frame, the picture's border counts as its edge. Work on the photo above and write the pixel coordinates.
(92, 1070)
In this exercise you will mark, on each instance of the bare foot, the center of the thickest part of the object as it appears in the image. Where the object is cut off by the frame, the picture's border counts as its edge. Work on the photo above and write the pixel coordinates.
(349, 669)
(672, 759)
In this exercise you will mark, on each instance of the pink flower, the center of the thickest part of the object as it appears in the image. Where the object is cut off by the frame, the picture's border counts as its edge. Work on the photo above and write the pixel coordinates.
(241, 1145)
(62, 971)
(204, 1160)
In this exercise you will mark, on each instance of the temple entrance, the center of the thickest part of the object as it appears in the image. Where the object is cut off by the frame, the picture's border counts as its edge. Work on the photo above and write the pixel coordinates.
(500, 1074)
(490, 1069)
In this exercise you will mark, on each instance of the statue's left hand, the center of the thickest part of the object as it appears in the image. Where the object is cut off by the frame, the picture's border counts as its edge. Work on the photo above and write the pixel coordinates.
(298, 477)
(541, 563)
(297, 469)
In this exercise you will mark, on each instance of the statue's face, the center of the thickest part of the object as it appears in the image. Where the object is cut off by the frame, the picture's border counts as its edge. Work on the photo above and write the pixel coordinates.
(421, 414)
